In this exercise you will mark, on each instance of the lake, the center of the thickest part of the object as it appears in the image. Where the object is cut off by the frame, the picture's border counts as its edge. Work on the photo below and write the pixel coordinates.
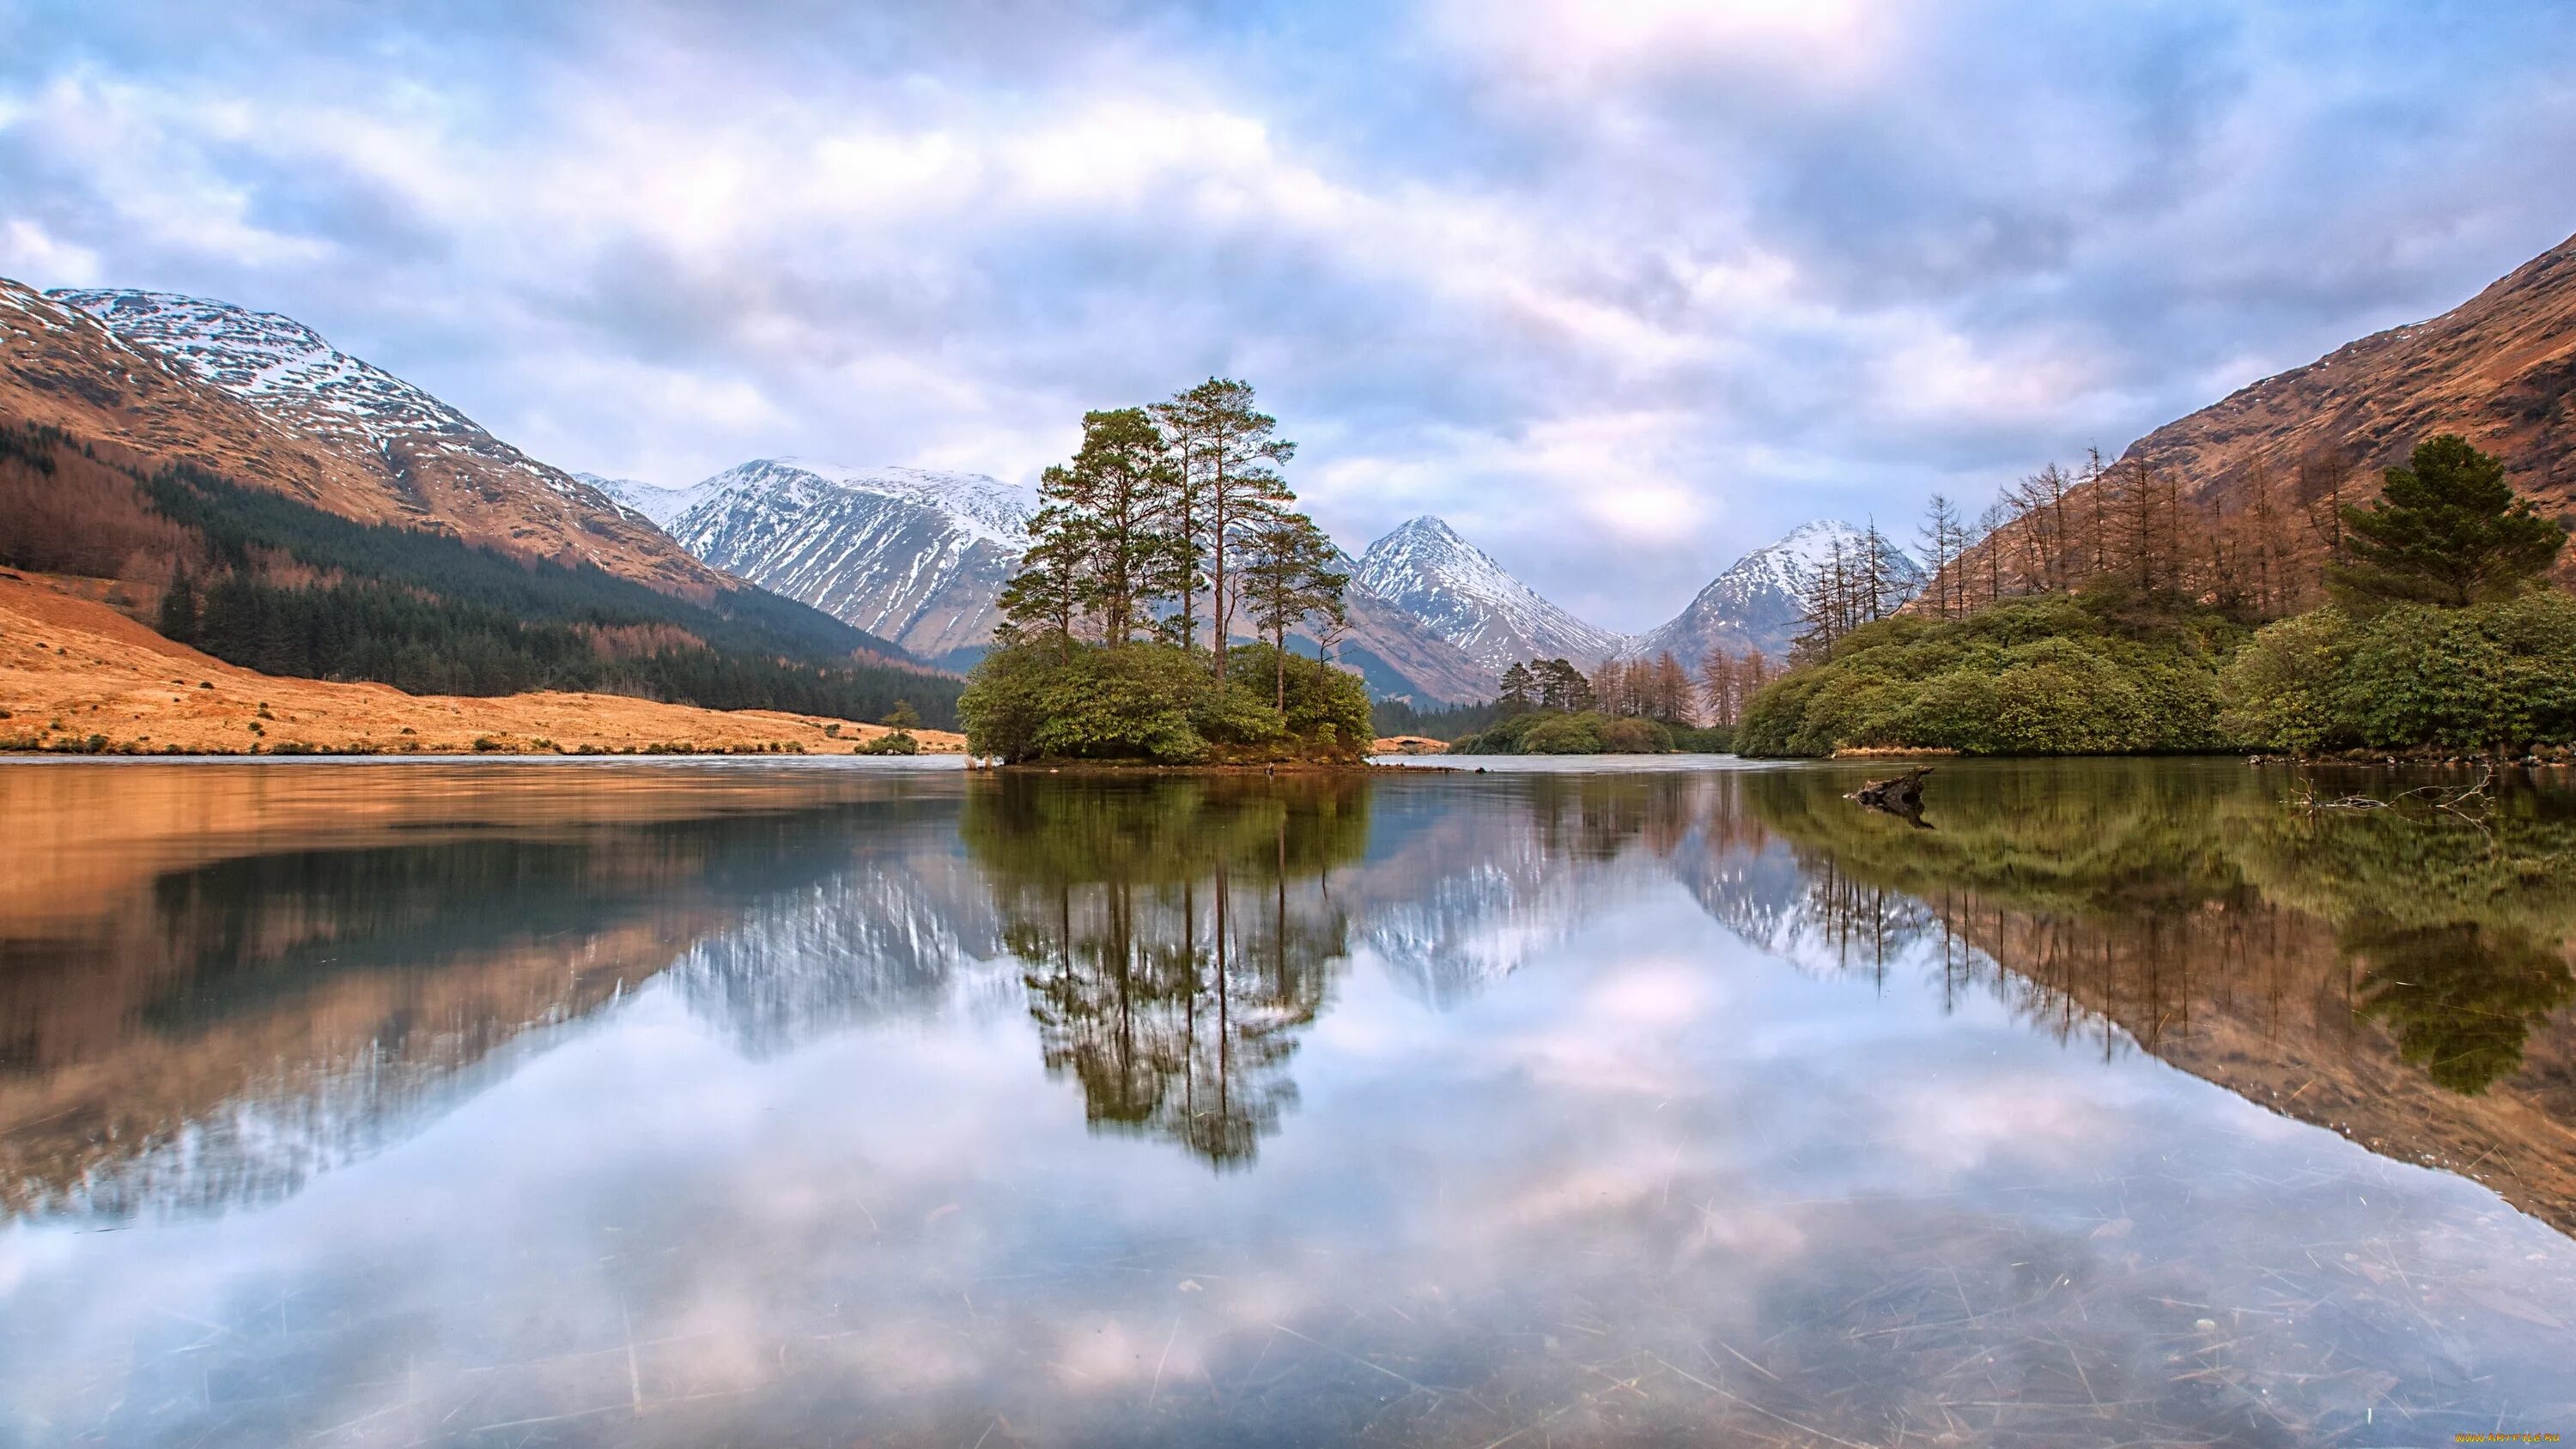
(1670, 1102)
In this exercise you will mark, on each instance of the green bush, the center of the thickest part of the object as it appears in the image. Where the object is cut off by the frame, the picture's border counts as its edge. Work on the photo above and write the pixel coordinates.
(2497, 675)
(1152, 702)
(901, 742)
(2048, 676)
(1704, 739)
(1554, 732)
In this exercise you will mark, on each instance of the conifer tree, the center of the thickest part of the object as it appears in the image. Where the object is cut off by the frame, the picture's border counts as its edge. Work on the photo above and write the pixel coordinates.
(2447, 530)
(1047, 596)
(1230, 480)
(179, 608)
(1287, 577)
(1119, 488)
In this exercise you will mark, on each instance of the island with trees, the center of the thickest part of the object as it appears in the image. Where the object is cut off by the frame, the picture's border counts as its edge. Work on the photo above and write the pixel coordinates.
(1171, 526)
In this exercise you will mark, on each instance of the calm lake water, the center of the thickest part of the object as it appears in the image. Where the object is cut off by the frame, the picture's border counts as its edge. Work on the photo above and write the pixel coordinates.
(862, 1102)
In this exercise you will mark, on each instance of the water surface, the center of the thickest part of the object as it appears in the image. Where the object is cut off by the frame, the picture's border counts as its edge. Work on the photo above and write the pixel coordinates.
(805, 1103)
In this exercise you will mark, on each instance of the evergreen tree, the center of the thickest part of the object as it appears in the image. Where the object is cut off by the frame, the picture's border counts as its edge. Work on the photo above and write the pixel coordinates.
(179, 608)
(1287, 577)
(1561, 685)
(1519, 689)
(1046, 597)
(1119, 488)
(2446, 530)
(1231, 481)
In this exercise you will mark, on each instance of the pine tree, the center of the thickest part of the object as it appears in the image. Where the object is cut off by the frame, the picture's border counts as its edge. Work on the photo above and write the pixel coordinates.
(1231, 480)
(1518, 689)
(1287, 577)
(2447, 530)
(179, 608)
(1119, 488)
(1047, 596)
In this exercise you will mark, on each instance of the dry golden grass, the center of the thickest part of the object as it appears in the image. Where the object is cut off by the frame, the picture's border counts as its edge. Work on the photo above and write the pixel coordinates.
(73, 669)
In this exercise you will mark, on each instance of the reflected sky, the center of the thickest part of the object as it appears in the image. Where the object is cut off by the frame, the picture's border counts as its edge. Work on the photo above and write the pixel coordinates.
(360, 1104)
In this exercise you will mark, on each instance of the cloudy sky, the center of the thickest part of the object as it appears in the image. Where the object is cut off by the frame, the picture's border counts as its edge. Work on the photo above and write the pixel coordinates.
(1618, 289)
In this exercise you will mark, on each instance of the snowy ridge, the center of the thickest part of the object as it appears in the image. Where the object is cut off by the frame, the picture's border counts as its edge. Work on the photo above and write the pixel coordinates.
(651, 502)
(1755, 603)
(289, 369)
(908, 554)
(1461, 595)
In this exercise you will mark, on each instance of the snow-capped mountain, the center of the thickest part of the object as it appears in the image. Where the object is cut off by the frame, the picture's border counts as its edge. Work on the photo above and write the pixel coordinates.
(907, 554)
(1460, 594)
(429, 464)
(651, 501)
(1754, 604)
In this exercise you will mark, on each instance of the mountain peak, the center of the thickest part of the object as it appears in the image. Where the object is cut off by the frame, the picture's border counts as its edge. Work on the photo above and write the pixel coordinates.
(409, 455)
(1464, 596)
(1755, 604)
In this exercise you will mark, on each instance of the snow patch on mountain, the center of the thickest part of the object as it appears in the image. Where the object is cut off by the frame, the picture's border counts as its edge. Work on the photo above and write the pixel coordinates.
(288, 368)
(1462, 595)
(908, 554)
(651, 502)
(1755, 604)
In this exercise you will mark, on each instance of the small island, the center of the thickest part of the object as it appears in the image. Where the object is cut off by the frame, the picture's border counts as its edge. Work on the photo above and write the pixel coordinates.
(1627, 707)
(1171, 523)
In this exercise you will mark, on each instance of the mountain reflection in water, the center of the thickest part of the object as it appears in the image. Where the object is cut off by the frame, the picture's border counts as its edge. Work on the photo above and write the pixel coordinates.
(778, 1103)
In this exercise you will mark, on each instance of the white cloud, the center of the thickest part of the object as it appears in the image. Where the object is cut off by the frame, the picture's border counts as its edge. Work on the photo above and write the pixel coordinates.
(1621, 290)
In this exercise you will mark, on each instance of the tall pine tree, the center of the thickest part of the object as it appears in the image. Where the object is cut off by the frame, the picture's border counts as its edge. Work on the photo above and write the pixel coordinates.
(2447, 530)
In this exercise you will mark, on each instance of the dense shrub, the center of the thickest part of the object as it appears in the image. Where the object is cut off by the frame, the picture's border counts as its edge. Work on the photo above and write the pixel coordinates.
(1156, 703)
(1704, 739)
(2053, 676)
(1554, 732)
(2497, 675)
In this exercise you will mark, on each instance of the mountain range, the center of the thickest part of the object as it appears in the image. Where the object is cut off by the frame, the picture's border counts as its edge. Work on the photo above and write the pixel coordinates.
(230, 479)
(917, 557)
(910, 556)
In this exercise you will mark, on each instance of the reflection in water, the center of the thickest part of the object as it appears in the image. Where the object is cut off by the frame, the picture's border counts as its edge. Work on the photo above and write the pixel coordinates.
(1176, 934)
(804, 1104)
(2372, 971)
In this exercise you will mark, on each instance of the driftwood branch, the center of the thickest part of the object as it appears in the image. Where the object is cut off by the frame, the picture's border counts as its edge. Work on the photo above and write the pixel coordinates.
(1897, 795)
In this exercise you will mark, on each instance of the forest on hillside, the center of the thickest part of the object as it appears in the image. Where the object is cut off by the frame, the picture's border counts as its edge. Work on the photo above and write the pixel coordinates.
(263, 581)
(2109, 613)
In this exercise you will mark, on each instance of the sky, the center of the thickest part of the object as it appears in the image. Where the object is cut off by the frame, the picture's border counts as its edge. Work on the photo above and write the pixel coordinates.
(1620, 290)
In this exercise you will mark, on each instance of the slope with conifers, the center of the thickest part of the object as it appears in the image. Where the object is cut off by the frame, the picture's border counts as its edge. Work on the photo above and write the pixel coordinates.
(2435, 627)
(220, 518)
(1170, 523)
(2360, 554)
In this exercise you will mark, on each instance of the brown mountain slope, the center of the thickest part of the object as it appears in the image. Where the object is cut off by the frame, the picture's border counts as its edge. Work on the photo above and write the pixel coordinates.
(2499, 369)
(429, 468)
(73, 668)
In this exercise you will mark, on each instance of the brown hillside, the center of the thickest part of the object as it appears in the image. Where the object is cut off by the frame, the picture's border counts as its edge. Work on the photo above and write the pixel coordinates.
(72, 667)
(2500, 369)
(60, 367)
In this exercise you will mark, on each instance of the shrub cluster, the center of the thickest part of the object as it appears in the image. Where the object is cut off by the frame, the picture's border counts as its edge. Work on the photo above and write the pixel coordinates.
(1161, 704)
(2048, 676)
(2492, 676)
(1557, 732)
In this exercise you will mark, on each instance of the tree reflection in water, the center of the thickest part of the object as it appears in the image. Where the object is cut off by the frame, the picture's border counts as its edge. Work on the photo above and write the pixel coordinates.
(1177, 935)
